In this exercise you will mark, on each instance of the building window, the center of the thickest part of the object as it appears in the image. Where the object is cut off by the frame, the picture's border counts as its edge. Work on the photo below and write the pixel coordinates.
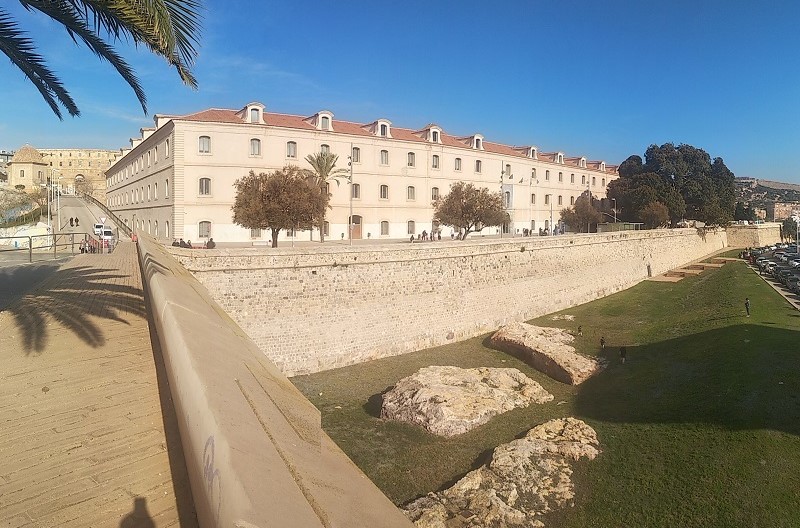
(533, 199)
(458, 164)
(435, 136)
(547, 175)
(384, 192)
(255, 233)
(560, 200)
(326, 228)
(148, 193)
(291, 149)
(478, 165)
(204, 229)
(326, 123)
(166, 229)
(166, 189)
(155, 228)
(21, 173)
(572, 200)
(434, 193)
(356, 190)
(546, 199)
(507, 172)
(560, 158)
(148, 159)
(411, 193)
(254, 115)
(560, 177)
(435, 161)
(593, 181)
(507, 199)
(384, 157)
(204, 145)
(255, 147)
(325, 149)
(583, 180)
(384, 130)
(533, 176)
(356, 155)
(412, 228)
(205, 186)
(384, 228)
(166, 148)
(411, 159)
(478, 143)
(572, 178)
(603, 182)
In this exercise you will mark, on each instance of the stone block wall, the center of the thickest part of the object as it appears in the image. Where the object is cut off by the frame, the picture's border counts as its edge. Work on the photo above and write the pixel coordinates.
(743, 236)
(313, 309)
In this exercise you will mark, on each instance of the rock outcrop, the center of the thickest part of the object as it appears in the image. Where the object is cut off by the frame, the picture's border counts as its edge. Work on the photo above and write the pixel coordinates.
(448, 401)
(548, 350)
(525, 479)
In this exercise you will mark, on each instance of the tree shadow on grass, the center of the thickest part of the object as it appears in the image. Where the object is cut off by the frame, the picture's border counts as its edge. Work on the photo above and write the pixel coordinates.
(73, 297)
(738, 377)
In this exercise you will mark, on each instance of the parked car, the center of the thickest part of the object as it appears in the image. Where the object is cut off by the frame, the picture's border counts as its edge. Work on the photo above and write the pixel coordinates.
(107, 237)
(98, 229)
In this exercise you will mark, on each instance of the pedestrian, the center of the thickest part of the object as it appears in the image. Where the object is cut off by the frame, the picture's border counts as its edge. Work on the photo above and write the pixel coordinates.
(211, 244)
(77, 223)
(72, 222)
(580, 330)
(175, 242)
(412, 239)
(439, 236)
(182, 244)
(623, 353)
(747, 305)
(189, 244)
(602, 343)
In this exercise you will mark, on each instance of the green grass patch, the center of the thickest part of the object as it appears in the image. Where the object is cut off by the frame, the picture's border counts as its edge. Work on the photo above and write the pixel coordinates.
(698, 428)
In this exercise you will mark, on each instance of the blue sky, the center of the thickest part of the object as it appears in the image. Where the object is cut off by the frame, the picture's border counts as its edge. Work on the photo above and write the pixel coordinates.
(600, 79)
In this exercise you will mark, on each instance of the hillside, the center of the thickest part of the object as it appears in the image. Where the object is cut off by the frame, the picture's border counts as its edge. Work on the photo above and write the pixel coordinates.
(760, 192)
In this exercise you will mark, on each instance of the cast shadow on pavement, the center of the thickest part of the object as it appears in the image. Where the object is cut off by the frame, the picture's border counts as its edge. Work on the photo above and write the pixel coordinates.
(75, 298)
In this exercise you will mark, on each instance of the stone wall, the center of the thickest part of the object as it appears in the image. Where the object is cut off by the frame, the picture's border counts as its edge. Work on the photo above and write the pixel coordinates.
(313, 309)
(757, 235)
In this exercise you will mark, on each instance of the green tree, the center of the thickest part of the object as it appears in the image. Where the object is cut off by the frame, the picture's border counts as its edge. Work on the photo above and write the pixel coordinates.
(323, 171)
(469, 209)
(169, 28)
(581, 216)
(655, 215)
(789, 229)
(284, 199)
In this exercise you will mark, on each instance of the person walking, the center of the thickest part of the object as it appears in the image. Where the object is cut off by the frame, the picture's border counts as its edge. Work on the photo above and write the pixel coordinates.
(747, 305)
(623, 353)
(602, 343)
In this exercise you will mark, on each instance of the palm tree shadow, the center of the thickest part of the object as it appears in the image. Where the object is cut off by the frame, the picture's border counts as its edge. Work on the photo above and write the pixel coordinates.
(76, 298)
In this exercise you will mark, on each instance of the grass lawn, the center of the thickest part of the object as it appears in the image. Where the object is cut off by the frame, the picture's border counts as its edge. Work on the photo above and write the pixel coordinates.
(699, 427)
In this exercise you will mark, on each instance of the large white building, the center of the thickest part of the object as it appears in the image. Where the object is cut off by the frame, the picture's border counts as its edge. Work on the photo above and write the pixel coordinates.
(176, 180)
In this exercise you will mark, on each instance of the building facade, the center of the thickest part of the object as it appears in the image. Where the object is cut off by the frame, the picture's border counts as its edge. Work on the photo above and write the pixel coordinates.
(176, 180)
(71, 169)
(780, 211)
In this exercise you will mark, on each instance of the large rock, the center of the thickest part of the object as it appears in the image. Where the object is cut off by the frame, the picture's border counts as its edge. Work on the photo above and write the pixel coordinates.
(548, 350)
(448, 401)
(525, 479)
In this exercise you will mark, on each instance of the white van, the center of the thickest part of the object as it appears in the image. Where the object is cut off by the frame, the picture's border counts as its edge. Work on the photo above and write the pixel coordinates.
(107, 237)
(98, 229)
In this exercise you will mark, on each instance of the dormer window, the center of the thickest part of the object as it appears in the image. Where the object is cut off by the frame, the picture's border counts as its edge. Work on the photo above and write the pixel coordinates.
(435, 136)
(478, 143)
(560, 158)
(602, 165)
(381, 128)
(384, 130)
(533, 153)
(325, 123)
(255, 115)
(583, 163)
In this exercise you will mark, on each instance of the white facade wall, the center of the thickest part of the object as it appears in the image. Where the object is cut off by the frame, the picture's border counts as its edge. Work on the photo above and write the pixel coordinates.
(229, 158)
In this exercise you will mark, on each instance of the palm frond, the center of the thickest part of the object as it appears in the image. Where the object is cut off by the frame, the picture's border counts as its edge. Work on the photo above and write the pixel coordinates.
(63, 12)
(22, 53)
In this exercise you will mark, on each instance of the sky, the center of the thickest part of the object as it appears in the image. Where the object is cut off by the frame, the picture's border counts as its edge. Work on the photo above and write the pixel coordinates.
(598, 79)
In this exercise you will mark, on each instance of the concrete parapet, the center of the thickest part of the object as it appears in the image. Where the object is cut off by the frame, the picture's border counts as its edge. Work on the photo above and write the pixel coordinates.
(255, 450)
(753, 235)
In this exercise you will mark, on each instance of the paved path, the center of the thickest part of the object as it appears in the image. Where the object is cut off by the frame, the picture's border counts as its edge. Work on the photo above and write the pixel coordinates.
(84, 441)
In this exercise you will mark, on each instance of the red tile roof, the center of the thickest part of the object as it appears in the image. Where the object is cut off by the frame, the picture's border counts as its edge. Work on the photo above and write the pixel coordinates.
(219, 115)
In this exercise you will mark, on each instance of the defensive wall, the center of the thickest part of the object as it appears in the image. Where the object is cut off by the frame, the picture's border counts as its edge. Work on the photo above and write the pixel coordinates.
(754, 235)
(315, 309)
(255, 450)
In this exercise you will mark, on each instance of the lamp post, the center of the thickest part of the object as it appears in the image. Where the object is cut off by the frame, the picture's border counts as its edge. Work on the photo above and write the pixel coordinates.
(550, 199)
(614, 200)
(350, 179)
(58, 200)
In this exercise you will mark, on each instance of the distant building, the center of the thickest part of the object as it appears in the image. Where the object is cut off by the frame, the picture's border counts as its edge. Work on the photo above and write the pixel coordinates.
(177, 179)
(779, 211)
(5, 156)
(73, 169)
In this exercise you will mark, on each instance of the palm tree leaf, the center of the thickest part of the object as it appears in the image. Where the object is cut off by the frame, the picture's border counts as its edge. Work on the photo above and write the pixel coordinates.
(22, 53)
(64, 13)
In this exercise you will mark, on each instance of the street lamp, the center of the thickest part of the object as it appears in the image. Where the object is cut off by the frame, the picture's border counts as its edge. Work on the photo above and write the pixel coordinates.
(350, 179)
(614, 200)
(550, 199)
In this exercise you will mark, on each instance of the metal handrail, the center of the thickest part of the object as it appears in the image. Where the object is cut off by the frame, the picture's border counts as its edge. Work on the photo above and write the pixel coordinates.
(54, 241)
(125, 229)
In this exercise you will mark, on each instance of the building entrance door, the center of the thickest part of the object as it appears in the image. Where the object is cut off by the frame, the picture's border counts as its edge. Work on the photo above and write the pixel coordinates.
(356, 227)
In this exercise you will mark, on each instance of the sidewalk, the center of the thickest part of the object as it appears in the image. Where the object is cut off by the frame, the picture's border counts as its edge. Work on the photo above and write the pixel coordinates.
(86, 438)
